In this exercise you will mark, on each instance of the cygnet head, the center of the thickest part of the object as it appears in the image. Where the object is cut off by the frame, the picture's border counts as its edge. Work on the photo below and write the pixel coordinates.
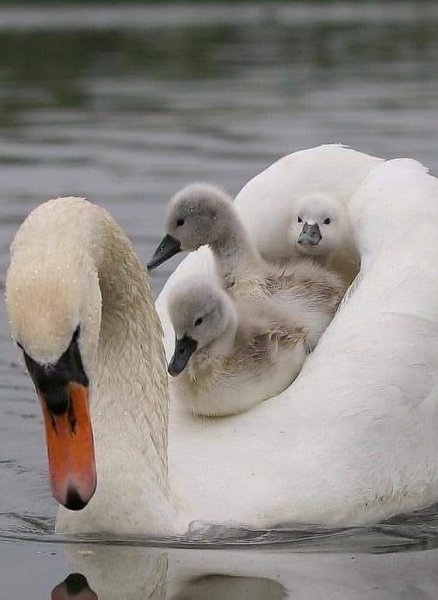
(318, 226)
(199, 214)
(202, 314)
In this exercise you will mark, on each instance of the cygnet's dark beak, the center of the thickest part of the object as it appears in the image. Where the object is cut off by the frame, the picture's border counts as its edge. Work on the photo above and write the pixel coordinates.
(167, 248)
(310, 235)
(184, 349)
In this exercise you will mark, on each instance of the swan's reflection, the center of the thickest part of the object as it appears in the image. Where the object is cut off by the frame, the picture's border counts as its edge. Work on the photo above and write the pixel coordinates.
(115, 572)
(137, 573)
(75, 586)
(213, 587)
(110, 573)
(227, 587)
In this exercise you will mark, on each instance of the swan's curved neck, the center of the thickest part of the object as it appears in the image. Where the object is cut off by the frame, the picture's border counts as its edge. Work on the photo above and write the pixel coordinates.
(79, 267)
(130, 384)
(129, 397)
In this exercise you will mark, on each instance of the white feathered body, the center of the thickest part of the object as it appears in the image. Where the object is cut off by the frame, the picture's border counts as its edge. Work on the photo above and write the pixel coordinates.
(352, 441)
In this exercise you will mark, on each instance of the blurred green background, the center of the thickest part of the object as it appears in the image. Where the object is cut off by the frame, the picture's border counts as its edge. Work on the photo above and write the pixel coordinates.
(126, 103)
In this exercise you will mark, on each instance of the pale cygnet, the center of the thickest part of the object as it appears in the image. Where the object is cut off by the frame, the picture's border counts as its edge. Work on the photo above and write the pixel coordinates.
(320, 228)
(230, 356)
(319, 225)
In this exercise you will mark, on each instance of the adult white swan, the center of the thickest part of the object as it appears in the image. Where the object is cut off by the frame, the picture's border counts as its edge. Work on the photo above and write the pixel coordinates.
(353, 440)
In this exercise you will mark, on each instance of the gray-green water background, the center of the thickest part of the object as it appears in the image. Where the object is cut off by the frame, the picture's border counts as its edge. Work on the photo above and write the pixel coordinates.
(126, 103)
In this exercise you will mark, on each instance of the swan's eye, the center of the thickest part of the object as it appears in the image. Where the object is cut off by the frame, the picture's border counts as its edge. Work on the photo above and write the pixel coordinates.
(19, 345)
(198, 321)
(327, 221)
(300, 220)
(180, 222)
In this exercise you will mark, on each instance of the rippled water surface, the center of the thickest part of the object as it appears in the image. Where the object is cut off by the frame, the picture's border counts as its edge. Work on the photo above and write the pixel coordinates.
(124, 106)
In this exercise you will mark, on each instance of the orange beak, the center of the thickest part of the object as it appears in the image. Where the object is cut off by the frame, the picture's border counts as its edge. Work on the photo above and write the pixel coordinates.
(70, 449)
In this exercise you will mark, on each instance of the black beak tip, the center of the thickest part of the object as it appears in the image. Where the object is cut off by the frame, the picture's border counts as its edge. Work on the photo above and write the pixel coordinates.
(152, 264)
(76, 583)
(73, 501)
(184, 349)
(173, 370)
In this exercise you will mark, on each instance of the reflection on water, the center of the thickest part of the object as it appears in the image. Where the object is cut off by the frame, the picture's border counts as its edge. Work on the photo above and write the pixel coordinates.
(127, 106)
(217, 587)
(74, 586)
(105, 573)
(213, 587)
(343, 565)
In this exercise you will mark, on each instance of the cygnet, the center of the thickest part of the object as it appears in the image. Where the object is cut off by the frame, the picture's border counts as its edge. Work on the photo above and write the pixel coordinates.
(320, 229)
(230, 356)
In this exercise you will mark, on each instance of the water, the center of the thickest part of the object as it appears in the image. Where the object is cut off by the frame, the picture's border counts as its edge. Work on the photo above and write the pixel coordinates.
(126, 105)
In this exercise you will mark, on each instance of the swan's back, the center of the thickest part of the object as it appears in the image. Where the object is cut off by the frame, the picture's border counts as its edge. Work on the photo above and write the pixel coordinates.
(353, 439)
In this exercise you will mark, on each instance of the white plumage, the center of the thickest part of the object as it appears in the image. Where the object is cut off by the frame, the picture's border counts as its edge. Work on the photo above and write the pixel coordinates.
(352, 441)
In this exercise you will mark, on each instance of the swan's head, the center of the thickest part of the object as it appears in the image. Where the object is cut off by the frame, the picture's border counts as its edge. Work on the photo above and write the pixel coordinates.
(317, 227)
(201, 312)
(198, 215)
(53, 304)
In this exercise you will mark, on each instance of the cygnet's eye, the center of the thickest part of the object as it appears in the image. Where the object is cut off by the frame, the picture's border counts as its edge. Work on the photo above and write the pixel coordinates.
(300, 220)
(180, 222)
(327, 221)
(198, 321)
